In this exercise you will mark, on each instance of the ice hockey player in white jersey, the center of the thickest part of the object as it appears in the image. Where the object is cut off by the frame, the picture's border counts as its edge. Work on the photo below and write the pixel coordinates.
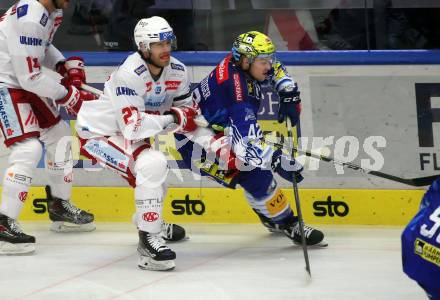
(29, 101)
(147, 94)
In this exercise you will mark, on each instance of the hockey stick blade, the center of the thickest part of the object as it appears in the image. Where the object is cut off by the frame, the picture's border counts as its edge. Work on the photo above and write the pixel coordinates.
(417, 181)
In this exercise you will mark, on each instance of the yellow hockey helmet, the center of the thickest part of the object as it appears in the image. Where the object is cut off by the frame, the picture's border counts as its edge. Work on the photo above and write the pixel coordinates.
(253, 44)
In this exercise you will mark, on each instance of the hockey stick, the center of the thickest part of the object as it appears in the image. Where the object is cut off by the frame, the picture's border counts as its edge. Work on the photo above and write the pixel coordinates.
(417, 181)
(91, 89)
(297, 203)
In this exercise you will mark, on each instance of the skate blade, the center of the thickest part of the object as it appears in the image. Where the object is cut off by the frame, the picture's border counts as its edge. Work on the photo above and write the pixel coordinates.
(178, 241)
(275, 231)
(148, 263)
(16, 249)
(321, 244)
(69, 227)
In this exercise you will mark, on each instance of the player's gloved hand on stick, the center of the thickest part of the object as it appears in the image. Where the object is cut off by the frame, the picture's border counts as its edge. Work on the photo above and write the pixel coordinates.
(73, 100)
(220, 146)
(286, 167)
(72, 70)
(184, 117)
(290, 106)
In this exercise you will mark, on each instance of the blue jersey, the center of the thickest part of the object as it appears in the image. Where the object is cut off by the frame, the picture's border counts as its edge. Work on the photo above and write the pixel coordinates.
(421, 242)
(229, 98)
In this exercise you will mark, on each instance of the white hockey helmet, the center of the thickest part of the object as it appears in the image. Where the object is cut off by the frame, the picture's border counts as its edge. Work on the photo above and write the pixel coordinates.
(151, 30)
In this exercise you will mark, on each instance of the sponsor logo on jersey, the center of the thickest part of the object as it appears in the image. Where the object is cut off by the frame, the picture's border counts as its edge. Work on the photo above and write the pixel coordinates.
(22, 196)
(141, 69)
(154, 101)
(149, 86)
(122, 90)
(5, 108)
(250, 115)
(237, 87)
(277, 204)
(158, 89)
(252, 89)
(4, 116)
(221, 71)
(177, 67)
(150, 216)
(94, 148)
(22, 11)
(30, 41)
(19, 178)
(204, 86)
(68, 178)
(36, 76)
(427, 251)
(58, 21)
(43, 20)
(172, 85)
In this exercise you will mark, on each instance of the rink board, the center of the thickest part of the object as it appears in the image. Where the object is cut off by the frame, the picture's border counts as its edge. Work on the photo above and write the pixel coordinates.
(221, 205)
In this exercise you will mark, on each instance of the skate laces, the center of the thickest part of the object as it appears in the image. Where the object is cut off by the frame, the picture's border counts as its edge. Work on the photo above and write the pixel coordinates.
(307, 230)
(15, 227)
(70, 207)
(156, 242)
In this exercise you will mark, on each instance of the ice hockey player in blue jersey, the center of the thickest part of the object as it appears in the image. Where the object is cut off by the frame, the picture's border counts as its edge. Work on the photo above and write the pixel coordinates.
(421, 243)
(234, 152)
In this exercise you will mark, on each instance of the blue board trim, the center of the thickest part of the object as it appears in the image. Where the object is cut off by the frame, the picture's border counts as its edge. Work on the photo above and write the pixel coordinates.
(295, 58)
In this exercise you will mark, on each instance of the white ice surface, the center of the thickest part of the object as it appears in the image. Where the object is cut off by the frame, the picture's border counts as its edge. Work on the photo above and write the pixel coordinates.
(217, 262)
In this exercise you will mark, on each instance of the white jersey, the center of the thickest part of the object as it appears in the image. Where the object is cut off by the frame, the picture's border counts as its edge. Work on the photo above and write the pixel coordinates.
(26, 34)
(133, 103)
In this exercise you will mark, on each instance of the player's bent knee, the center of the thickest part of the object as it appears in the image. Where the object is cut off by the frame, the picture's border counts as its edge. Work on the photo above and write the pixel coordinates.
(26, 153)
(151, 169)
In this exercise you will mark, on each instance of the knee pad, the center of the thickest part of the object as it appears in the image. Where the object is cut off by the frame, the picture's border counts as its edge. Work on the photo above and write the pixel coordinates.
(151, 169)
(26, 153)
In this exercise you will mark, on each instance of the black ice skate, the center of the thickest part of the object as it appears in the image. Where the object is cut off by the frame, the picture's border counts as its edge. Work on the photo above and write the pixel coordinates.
(314, 237)
(154, 255)
(172, 232)
(12, 239)
(66, 217)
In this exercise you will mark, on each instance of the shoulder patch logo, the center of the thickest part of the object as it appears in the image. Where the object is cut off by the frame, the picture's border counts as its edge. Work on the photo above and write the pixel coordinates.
(43, 20)
(222, 71)
(22, 11)
(177, 67)
(141, 69)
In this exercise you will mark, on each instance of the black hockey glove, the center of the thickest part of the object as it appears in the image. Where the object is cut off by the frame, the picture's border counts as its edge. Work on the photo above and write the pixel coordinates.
(286, 167)
(290, 106)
